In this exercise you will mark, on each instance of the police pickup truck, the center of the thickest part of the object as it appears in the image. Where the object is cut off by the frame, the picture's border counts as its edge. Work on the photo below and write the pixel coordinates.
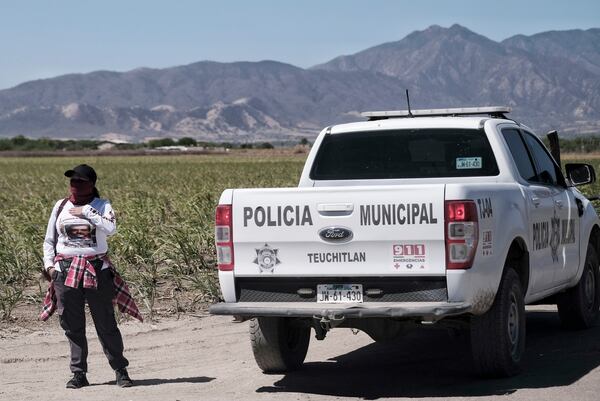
(447, 217)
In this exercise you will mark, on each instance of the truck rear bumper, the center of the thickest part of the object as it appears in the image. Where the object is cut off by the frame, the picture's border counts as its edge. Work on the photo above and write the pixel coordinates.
(424, 310)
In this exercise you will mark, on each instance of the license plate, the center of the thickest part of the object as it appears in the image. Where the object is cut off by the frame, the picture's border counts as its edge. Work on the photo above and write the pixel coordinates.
(339, 293)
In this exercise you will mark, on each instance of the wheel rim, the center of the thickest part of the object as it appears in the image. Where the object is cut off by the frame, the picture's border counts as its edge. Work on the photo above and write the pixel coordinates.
(513, 325)
(589, 288)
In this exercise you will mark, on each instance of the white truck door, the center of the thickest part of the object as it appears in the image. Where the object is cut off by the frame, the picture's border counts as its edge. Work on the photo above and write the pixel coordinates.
(541, 256)
(540, 205)
(568, 249)
(564, 222)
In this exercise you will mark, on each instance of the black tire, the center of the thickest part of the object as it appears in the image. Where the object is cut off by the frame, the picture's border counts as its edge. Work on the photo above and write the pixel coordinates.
(498, 336)
(278, 345)
(579, 307)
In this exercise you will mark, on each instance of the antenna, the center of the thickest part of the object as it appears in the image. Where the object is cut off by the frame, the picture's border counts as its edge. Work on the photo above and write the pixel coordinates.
(408, 101)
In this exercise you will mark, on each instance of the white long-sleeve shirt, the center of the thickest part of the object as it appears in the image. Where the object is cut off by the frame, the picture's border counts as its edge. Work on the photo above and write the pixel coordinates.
(79, 235)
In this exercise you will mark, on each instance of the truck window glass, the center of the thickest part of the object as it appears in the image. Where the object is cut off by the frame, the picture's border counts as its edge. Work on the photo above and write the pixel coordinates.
(519, 153)
(415, 153)
(545, 165)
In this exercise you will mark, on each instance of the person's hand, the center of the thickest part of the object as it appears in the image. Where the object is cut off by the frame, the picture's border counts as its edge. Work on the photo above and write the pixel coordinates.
(48, 273)
(76, 211)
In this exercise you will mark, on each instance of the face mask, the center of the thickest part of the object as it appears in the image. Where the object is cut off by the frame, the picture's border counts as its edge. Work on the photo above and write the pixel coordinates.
(82, 192)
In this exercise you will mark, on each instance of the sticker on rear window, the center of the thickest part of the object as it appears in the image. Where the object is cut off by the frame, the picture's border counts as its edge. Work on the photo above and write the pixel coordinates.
(468, 162)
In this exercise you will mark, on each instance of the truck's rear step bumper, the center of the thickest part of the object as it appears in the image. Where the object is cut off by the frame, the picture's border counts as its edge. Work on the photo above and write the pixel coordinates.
(424, 310)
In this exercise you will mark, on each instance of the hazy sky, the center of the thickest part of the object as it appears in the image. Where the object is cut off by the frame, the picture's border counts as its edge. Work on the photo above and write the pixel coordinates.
(40, 39)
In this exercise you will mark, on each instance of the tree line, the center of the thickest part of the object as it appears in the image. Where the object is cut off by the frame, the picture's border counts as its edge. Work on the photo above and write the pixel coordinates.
(580, 144)
(22, 143)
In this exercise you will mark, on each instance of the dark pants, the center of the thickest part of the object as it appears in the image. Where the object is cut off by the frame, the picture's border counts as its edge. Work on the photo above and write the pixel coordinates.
(71, 310)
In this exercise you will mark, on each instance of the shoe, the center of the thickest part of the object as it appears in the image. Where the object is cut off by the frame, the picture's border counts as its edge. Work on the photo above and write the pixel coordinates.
(123, 379)
(78, 381)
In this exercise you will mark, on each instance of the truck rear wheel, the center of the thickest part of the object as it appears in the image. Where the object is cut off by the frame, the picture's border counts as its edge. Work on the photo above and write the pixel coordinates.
(498, 336)
(278, 344)
(579, 307)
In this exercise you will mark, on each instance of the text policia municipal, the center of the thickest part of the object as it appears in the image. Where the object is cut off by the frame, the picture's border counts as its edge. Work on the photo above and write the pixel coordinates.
(393, 214)
(370, 215)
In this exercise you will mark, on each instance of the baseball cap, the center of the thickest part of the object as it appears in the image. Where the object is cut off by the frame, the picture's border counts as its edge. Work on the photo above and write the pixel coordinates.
(83, 172)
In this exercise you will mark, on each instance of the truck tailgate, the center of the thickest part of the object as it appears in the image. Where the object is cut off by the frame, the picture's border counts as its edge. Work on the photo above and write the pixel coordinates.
(339, 231)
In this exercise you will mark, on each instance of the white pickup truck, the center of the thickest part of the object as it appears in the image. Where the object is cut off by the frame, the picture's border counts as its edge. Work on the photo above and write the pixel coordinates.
(447, 217)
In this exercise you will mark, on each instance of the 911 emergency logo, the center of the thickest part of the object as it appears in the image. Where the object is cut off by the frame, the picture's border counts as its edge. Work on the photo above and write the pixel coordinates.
(266, 259)
(410, 256)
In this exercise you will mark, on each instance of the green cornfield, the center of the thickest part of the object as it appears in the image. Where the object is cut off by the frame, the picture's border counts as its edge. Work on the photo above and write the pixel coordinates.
(165, 213)
(165, 210)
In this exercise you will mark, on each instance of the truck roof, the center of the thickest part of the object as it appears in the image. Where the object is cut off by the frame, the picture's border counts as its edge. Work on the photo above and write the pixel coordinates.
(415, 123)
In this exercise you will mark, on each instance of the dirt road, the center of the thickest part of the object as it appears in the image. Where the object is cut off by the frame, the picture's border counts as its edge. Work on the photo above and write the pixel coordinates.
(209, 358)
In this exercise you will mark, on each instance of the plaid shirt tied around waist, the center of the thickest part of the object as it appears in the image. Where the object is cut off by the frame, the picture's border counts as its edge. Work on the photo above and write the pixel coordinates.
(81, 269)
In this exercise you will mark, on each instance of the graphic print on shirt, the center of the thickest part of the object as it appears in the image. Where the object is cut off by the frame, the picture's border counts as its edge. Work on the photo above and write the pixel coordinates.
(79, 233)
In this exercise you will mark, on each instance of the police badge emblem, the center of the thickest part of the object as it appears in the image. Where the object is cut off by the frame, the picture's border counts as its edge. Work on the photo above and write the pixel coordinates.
(266, 259)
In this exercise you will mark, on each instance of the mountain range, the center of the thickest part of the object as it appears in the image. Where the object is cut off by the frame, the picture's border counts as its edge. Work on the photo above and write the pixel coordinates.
(551, 80)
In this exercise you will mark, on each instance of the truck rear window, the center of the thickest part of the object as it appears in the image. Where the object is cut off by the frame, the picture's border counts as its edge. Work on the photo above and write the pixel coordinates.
(416, 153)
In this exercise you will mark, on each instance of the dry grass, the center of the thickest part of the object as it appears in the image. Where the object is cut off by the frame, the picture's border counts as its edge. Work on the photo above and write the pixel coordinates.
(165, 212)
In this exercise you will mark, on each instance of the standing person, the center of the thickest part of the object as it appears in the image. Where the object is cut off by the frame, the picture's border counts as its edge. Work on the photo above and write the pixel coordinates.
(75, 260)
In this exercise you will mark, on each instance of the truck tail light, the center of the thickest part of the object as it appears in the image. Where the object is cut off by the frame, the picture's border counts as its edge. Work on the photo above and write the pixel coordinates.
(461, 234)
(224, 237)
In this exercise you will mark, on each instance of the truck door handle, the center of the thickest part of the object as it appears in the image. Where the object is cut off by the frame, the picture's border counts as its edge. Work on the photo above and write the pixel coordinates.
(536, 201)
(335, 209)
(559, 203)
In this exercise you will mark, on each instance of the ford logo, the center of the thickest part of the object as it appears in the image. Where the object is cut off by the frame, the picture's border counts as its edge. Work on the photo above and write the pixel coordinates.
(338, 235)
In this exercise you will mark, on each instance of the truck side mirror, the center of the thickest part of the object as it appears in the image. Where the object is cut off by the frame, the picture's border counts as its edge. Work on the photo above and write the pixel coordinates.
(580, 173)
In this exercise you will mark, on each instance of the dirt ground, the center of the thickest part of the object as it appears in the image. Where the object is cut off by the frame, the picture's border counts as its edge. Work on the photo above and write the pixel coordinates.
(205, 357)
